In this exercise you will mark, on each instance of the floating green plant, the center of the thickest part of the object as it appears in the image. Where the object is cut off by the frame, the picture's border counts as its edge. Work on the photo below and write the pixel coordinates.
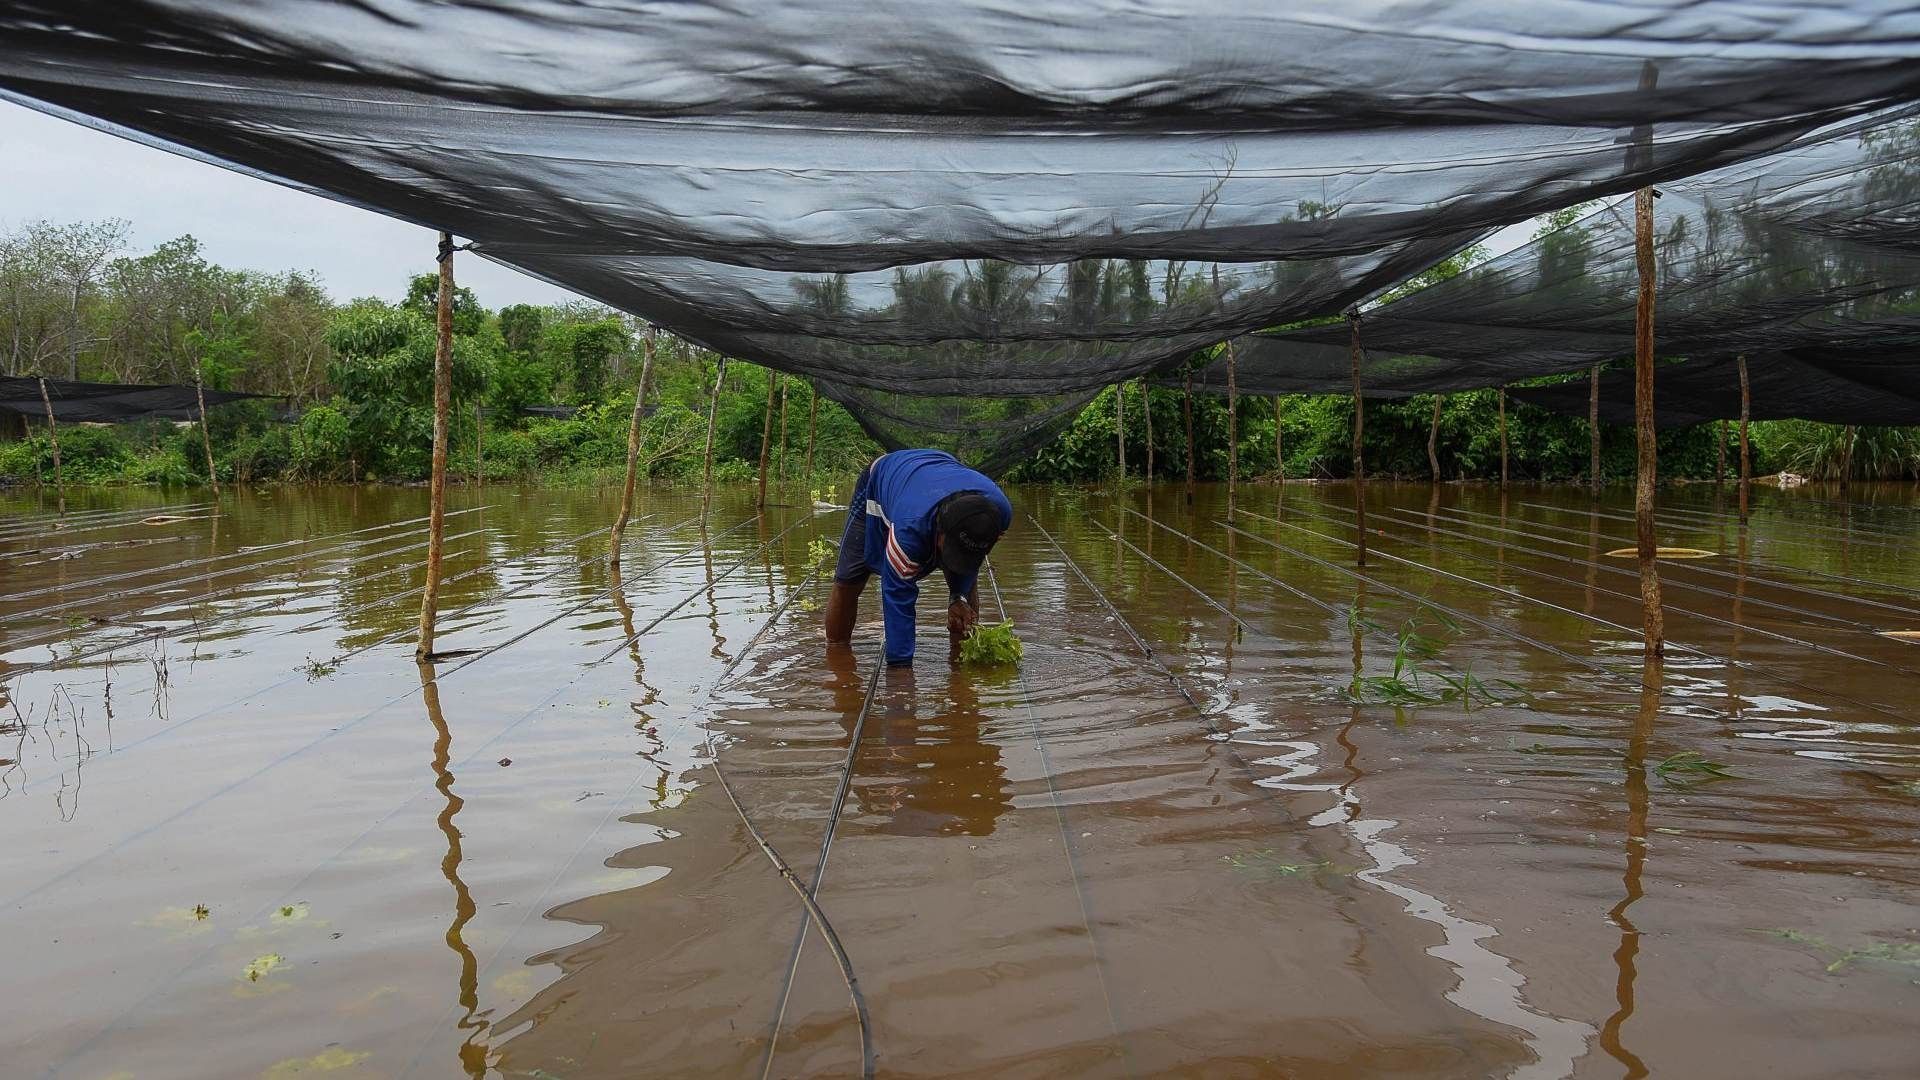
(1410, 685)
(262, 965)
(1904, 953)
(1690, 767)
(991, 645)
(818, 550)
(318, 669)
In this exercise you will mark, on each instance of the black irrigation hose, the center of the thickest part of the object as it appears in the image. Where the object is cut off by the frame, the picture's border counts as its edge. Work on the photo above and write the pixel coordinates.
(1722, 523)
(1767, 564)
(1673, 581)
(205, 598)
(1723, 519)
(1750, 628)
(340, 542)
(129, 523)
(1210, 601)
(58, 551)
(1627, 631)
(91, 519)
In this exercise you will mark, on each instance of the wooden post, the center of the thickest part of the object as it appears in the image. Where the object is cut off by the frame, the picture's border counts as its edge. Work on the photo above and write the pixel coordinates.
(813, 416)
(1189, 411)
(1719, 453)
(1646, 445)
(1433, 438)
(1593, 430)
(53, 436)
(766, 438)
(713, 410)
(1359, 457)
(206, 439)
(1503, 437)
(634, 434)
(1120, 426)
(1279, 443)
(1746, 459)
(1146, 410)
(479, 452)
(437, 493)
(1233, 428)
(783, 428)
(1847, 436)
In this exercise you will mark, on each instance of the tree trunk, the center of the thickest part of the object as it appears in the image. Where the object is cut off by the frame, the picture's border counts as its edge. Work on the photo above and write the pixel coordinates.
(1719, 453)
(1146, 410)
(1120, 426)
(1746, 458)
(1279, 443)
(713, 412)
(1847, 435)
(1233, 429)
(437, 493)
(766, 438)
(1646, 443)
(1359, 457)
(1593, 430)
(479, 452)
(634, 436)
(53, 436)
(1433, 438)
(813, 417)
(1503, 437)
(206, 439)
(783, 429)
(1189, 411)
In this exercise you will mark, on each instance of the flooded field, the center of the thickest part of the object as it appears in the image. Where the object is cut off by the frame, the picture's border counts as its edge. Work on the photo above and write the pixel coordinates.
(1240, 813)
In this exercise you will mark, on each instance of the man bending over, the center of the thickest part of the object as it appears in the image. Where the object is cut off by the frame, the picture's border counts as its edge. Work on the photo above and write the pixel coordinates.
(915, 511)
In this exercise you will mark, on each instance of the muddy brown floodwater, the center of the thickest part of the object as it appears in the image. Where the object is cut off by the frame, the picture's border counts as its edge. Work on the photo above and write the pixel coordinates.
(1241, 812)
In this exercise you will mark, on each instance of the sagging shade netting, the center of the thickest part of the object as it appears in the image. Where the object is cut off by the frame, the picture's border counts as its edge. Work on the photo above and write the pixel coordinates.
(932, 208)
(107, 403)
(1812, 252)
(1806, 384)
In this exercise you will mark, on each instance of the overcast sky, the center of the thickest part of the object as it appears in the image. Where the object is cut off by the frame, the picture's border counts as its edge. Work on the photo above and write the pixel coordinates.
(64, 172)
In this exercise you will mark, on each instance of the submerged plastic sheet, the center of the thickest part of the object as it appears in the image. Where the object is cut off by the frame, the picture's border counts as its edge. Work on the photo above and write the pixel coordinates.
(781, 182)
(1781, 386)
(1814, 248)
(107, 403)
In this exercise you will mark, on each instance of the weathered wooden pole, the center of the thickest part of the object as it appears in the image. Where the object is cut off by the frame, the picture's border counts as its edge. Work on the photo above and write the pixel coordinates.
(479, 451)
(1503, 437)
(635, 433)
(437, 493)
(1359, 457)
(53, 436)
(1433, 438)
(206, 440)
(1233, 429)
(783, 429)
(1847, 436)
(1120, 427)
(1719, 453)
(1593, 430)
(1746, 458)
(1646, 445)
(1146, 410)
(1279, 443)
(1188, 406)
(813, 416)
(713, 412)
(766, 438)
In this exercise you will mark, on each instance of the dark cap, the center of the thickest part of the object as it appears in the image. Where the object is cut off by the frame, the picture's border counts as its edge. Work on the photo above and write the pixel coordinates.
(970, 524)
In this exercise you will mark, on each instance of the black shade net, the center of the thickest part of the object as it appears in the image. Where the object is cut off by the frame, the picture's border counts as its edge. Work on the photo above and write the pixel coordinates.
(1781, 386)
(107, 403)
(960, 200)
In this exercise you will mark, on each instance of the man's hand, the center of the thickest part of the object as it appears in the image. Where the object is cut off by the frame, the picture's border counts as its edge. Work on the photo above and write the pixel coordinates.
(961, 619)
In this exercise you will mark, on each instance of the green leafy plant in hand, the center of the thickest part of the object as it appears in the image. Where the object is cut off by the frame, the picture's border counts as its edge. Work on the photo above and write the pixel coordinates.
(991, 645)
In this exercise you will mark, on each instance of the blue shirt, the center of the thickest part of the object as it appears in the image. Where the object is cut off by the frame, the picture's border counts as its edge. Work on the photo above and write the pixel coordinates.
(903, 488)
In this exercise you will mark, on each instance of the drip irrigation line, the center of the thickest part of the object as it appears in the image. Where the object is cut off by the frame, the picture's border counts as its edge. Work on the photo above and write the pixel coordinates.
(1209, 600)
(1630, 632)
(91, 519)
(344, 727)
(1675, 582)
(341, 541)
(60, 552)
(1723, 523)
(1769, 563)
(39, 538)
(476, 752)
(206, 598)
(1850, 531)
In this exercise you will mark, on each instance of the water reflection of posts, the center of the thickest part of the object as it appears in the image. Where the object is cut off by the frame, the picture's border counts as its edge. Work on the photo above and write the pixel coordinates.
(473, 1055)
(1637, 805)
(437, 496)
(634, 437)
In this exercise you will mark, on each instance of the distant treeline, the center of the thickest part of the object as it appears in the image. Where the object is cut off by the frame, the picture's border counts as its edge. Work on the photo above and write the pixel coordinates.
(352, 393)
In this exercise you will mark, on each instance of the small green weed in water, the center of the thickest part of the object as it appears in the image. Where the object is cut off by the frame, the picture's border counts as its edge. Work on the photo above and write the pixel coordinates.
(201, 912)
(1903, 953)
(261, 965)
(992, 645)
(818, 550)
(1410, 685)
(315, 670)
(1690, 767)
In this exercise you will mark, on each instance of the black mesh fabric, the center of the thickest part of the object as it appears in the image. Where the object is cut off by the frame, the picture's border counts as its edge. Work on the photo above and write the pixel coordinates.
(107, 403)
(1815, 248)
(959, 200)
(1781, 386)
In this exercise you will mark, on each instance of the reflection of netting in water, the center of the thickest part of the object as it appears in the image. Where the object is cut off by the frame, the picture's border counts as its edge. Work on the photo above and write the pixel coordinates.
(850, 207)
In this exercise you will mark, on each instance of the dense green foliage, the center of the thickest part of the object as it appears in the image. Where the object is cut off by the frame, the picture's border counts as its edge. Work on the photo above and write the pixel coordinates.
(359, 380)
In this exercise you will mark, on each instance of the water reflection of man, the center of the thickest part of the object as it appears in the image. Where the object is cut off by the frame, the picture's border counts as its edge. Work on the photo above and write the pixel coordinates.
(915, 511)
(925, 777)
